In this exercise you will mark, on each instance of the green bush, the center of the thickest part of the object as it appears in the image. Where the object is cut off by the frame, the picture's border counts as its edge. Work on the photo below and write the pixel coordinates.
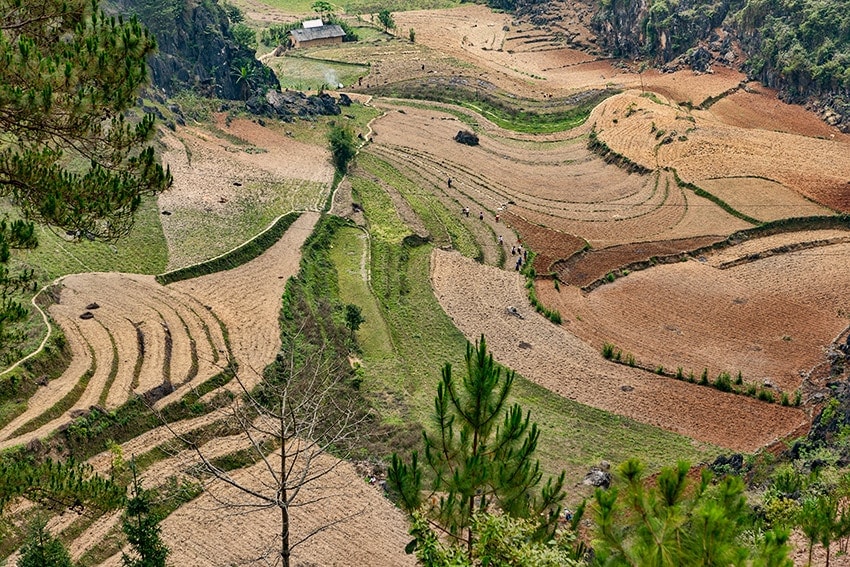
(608, 351)
(723, 382)
(703, 379)
(765, 395)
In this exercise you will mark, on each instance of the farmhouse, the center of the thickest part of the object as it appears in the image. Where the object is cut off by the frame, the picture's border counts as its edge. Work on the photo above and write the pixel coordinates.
(317, 35)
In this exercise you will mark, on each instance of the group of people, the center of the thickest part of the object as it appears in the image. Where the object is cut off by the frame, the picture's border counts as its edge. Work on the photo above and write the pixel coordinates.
(516, 250)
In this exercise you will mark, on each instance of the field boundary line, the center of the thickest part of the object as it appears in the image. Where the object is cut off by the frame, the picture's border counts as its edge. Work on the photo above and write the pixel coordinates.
(46, 320)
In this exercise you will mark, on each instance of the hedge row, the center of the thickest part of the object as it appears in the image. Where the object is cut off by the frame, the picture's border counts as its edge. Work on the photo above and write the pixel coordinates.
(235, 257)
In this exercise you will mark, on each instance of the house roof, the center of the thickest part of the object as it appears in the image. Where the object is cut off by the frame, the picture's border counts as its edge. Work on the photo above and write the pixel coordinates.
(317, 23)
(324, 32)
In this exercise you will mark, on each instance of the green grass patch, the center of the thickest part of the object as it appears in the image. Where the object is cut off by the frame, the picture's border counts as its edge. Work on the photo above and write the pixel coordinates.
(444, 226)
(236, 257)
(349, 253)
(384, 222)
(501, 108)
(142, 251)
(303, 73)
(197, 235)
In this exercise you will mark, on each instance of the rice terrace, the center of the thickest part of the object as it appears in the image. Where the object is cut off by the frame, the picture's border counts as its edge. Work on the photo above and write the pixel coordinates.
(661, 253)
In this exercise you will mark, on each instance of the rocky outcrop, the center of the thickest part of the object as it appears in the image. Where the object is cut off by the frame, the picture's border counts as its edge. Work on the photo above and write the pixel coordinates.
(655, 28)
(289, 105)
(196, 49)
(795, 48)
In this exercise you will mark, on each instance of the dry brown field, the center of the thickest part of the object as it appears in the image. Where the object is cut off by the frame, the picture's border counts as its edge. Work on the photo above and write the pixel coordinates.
(770, 319)
(566, 362)
(657, 133)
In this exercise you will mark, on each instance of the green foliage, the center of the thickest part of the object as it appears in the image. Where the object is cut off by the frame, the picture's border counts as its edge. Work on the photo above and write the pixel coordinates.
(765, 395)
(502, 540)
(41, 549)
(56, 484)
(245, 36)
(235, 257)
(674, 523)
(411, 35)
(608, 351)
(385, 17)
(141, 526)
(480, 455)
(723, 382)
(353, 317)
(343, 146)
(74, 98)
(802, 43)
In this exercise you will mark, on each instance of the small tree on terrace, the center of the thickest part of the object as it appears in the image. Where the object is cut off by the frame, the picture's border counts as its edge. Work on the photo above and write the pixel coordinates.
(42, 549)
(479, 457)
(342, 145)
(385, 17)
(141, 526)
(302, 410)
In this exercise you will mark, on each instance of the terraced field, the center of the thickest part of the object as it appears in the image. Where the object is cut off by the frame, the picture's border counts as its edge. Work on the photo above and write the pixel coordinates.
(632, 211)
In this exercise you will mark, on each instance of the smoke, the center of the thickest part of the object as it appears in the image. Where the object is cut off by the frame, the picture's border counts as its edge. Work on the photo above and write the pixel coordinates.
(332, 79)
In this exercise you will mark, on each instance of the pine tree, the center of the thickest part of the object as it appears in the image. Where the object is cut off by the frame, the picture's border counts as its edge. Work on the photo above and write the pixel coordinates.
(674, 524)
(141, 526)
(41, 549)
(480, 456)
(69, 155)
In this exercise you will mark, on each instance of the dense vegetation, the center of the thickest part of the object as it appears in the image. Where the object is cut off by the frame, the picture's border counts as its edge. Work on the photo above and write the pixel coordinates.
(803, 46)
(800, 47)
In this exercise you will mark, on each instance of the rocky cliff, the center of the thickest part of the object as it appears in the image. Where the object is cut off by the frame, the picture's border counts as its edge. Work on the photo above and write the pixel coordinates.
(799, 47)
(197, 49)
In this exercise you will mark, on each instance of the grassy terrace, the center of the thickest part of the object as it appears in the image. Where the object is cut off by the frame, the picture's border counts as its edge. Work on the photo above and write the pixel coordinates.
(407, 338)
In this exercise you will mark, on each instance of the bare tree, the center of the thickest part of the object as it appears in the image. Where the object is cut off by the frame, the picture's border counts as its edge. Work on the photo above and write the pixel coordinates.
(300, 422)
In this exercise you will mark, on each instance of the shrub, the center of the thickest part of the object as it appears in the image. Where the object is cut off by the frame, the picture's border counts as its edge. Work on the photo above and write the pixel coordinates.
(608, 351)
(765, 395)
(751, 390)
(723, 382)
(630, 359)
(798, 397)
(703, 379)
(784, 399)
(342, 145)
(660, 370)
(739, 379)
(679, 374)
(610, 277)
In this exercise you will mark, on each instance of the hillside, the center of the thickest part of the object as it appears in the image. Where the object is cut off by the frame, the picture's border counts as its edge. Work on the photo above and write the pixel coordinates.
(801, 49)
(198, 50)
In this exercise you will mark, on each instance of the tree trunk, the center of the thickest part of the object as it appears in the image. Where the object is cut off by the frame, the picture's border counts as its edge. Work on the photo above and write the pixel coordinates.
(283, 502)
